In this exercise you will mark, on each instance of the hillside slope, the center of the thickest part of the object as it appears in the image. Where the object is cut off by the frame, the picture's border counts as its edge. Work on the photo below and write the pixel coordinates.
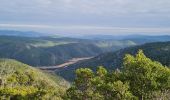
(47, 51)
(51, 51)
(47, 56)
(159, 51)
(44, 52)
(20, 81)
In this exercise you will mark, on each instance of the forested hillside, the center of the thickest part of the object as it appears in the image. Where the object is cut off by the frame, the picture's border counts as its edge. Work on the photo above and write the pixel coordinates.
(50, 51)
(46, 51)
(19, 81)
(159, 51)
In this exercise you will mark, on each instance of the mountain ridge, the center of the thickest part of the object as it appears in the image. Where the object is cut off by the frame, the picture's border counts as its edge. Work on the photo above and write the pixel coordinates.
(158, 51)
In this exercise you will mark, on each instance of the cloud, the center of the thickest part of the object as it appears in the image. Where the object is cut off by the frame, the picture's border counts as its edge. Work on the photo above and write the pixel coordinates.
(88, 6)
(117, 13)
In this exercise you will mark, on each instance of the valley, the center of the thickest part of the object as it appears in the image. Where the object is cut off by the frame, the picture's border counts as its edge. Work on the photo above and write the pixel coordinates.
(64, 65)
(55, 50)
(158, 51)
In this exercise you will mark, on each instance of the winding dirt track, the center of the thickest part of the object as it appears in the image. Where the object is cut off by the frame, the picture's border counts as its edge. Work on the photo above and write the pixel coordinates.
(66, 64)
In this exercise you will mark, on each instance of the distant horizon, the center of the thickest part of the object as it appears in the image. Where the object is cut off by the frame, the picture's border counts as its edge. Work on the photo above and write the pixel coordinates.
(81, 35)
(85, 30)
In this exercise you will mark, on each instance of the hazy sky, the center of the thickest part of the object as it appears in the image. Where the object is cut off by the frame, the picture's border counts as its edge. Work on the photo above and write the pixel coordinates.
(87, 16)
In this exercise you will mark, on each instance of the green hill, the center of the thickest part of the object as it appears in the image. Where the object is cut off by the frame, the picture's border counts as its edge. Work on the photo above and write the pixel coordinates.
(159, 51)
(19, 81)
(44, 51)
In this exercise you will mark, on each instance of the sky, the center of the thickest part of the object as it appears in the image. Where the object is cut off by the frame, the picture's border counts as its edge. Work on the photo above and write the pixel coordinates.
(87, 16)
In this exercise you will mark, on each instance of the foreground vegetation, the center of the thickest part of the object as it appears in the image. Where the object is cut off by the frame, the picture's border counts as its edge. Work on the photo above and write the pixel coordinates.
(140, 79)
(22, 82)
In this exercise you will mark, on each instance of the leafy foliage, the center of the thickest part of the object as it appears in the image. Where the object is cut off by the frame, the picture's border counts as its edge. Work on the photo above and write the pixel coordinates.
(145, 76)
(140, 79)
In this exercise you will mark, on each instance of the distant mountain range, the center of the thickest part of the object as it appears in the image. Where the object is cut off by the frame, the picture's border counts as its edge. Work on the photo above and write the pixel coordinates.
(23, 34)
(89, 37)
(125, 37)
(159, 51)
